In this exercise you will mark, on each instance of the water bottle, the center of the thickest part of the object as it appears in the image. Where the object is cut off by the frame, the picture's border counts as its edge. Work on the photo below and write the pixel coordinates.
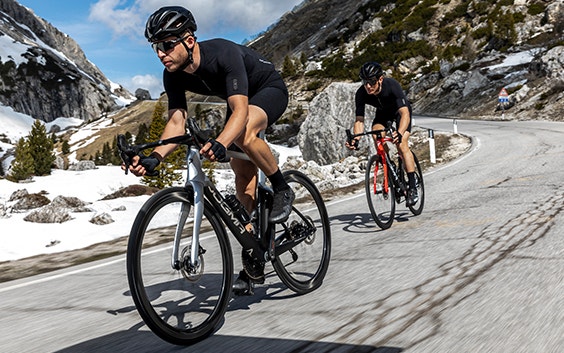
(237, 209)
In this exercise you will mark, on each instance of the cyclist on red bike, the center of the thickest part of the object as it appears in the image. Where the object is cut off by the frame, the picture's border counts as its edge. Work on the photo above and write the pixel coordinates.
(387, 96)
(256, 97)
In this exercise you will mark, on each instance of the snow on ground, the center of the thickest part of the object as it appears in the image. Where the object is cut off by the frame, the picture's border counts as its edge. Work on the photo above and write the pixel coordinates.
(20, 239)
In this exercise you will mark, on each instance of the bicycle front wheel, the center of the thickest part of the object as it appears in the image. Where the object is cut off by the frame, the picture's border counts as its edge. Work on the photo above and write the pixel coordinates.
(181, 304)
(303, 242)
(418, 207)
(381, 199)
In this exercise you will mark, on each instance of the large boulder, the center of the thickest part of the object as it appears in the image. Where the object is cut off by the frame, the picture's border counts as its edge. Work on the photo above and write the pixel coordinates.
(322, 136)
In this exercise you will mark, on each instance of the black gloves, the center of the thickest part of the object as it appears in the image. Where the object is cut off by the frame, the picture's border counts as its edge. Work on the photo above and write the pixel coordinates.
(150, 162)
(219, 151)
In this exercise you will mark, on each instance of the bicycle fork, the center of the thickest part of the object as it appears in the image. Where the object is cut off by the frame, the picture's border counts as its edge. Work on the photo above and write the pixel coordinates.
(196, 179)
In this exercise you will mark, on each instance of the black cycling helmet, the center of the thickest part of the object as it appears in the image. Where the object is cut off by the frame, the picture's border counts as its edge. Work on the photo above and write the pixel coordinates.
(370, 70)
(169, 21)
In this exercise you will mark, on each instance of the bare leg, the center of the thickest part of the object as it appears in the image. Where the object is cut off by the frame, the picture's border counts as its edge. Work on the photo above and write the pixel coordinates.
(245, 182)
(406, 153)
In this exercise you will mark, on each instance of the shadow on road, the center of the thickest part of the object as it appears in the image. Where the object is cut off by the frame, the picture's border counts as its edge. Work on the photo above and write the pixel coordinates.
(145, 341)
(362, 223)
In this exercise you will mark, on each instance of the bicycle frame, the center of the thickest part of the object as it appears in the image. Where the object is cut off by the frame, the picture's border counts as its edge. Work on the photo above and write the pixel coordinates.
(204, 189)
(384, 155)
(381, 151)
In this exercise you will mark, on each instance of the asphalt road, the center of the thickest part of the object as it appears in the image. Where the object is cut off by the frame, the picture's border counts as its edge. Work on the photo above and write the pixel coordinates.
(480, 270)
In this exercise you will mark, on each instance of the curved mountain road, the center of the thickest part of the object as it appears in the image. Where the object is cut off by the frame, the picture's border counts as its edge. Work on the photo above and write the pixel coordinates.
(480, 270)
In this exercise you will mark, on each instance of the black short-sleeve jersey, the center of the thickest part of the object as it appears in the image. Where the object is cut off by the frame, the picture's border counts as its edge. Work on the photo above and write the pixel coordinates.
(387, 102)
(225, 69)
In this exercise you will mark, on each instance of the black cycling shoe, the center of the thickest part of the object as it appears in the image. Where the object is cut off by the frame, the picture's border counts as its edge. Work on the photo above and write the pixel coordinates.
(412, 197)
(281, 206)
(243, 285)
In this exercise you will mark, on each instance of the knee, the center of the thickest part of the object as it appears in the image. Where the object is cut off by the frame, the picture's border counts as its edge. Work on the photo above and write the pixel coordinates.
(404, 147)
(247, 141)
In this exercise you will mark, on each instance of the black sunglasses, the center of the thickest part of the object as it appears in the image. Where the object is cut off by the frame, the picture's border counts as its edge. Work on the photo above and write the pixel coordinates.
(167, 45)
(370, 81)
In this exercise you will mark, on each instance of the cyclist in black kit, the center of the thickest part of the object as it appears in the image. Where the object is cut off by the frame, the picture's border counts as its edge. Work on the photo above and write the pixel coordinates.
(256, 97)
(387, 96)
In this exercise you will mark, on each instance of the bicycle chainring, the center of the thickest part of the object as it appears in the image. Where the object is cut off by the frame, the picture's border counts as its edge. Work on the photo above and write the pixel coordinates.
(253, 268)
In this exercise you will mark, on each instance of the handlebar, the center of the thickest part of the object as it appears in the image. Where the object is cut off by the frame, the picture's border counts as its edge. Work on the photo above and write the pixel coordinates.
(195, 137)
(389, 129)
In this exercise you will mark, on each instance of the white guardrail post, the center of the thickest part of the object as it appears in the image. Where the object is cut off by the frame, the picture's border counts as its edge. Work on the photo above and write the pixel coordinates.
(432, 146)
(455, 126)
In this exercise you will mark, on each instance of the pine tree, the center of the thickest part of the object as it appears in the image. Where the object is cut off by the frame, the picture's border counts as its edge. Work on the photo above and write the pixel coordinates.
(41, 149)
(288, 67)
(65, 148)
(22, 165)
(142, 134)
(106, 153)
(167, 169)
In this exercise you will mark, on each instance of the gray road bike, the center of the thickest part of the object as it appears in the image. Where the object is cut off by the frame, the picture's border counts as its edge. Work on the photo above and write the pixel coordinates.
(179, 256)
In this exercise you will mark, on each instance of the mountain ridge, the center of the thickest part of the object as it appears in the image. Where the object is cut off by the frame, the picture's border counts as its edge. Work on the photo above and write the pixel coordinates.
(45, 74)
(433, 47)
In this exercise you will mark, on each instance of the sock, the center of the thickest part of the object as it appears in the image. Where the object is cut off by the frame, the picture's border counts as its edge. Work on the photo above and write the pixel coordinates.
(411, 180)
(277, 181)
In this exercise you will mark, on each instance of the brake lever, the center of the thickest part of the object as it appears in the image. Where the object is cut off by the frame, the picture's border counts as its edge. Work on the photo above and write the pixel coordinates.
(126, 153)
(350, 139)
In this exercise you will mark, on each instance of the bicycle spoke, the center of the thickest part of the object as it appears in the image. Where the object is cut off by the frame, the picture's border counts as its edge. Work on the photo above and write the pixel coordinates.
(303, 243)
(182, 304)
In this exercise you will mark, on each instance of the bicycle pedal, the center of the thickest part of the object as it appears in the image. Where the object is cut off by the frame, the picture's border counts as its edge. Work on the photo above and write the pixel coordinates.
(240, 289)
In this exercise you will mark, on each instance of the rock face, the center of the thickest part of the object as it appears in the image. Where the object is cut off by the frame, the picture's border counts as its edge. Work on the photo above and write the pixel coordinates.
(142, 94)
(322, 136)
(44, 73)
(42, 209)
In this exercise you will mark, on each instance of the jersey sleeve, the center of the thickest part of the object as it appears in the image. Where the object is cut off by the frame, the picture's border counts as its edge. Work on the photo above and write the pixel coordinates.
(174, 91)
(399, 94)
(236, 78)
(360, 101)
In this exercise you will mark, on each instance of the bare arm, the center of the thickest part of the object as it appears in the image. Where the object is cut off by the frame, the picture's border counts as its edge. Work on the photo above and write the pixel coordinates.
(403, 123)
(175, 126)
(404, 120)
(234, 127)
(358, 127)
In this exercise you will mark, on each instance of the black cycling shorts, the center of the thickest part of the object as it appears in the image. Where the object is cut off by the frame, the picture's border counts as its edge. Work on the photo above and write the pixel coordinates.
(384, 122)
(273, 100)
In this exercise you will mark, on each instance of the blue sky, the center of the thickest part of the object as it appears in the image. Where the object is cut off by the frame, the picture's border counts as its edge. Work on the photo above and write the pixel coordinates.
(110, 32)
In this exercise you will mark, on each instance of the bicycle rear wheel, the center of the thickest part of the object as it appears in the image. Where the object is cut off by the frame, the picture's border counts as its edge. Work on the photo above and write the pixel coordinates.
(418, 207)
(380, 201)
(181, 306)
(303, 243)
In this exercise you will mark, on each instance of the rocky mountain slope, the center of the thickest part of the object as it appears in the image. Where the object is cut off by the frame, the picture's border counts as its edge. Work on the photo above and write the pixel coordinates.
(45, 74)
(452, 57)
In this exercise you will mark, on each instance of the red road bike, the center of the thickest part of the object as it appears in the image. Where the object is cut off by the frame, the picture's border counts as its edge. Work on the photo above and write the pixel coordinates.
(386, 180)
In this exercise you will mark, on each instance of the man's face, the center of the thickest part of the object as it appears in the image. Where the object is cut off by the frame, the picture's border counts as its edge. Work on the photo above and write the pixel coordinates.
(171, 53)
(373, 86)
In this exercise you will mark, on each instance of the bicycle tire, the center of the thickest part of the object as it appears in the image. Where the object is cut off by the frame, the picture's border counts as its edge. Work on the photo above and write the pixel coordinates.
(179, 306)
(380, 201)
(420, 185)
(303, 267)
